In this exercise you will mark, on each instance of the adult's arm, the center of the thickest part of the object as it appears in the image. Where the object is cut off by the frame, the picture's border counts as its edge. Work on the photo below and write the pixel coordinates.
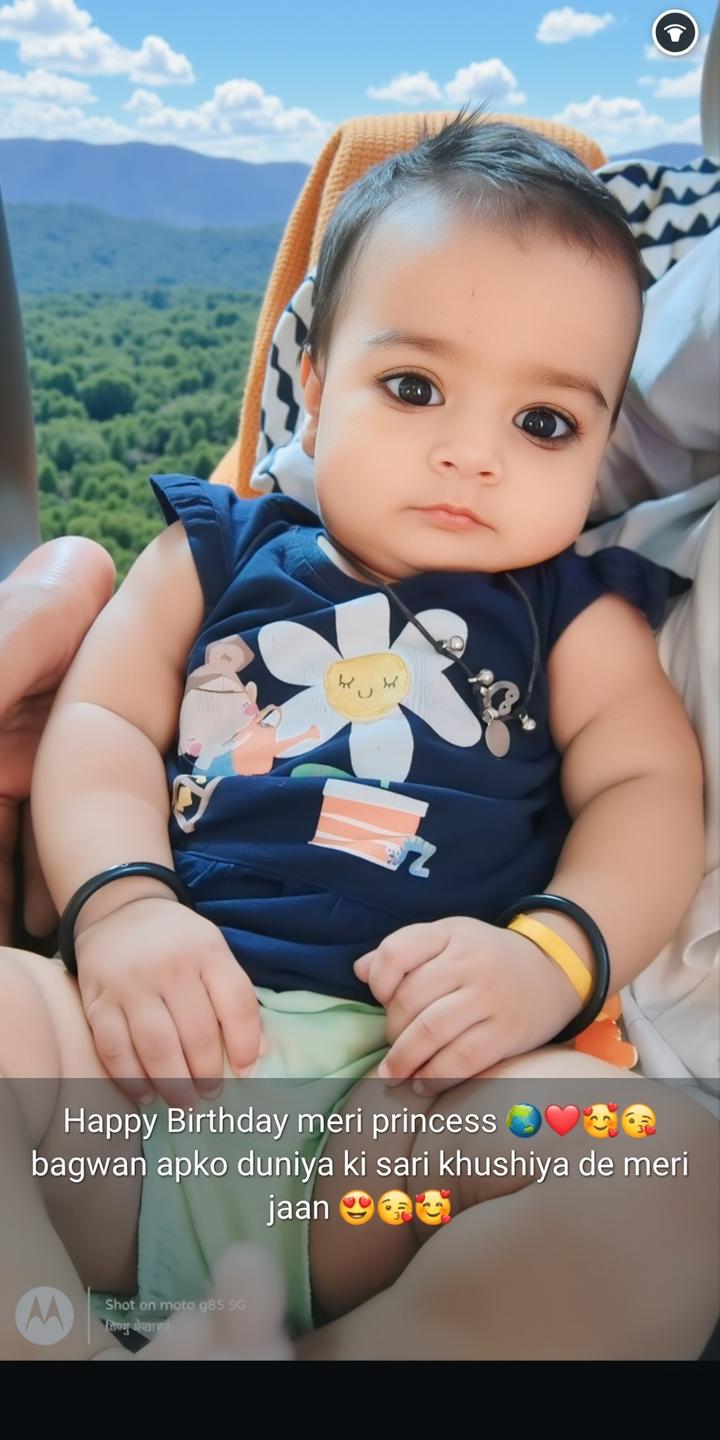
(47, 604)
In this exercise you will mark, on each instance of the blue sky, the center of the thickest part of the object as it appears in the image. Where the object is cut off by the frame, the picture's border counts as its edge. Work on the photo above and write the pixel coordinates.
(261, 81)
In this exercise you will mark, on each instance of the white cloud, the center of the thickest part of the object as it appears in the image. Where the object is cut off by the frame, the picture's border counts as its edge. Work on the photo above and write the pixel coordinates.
(58, 35)
(40, 17)
(155, 63)
(674, 87)
(559, 26)
(44, 120)
(45, 85)
(483, 79)
(480, 80)
(241, 120)
(141, 102)
(621, 124)
(408, 89)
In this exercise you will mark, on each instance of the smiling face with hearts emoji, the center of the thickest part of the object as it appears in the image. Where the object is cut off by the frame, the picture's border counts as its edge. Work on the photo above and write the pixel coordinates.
(562, 1118)
(601, 1120)
(433, 1207)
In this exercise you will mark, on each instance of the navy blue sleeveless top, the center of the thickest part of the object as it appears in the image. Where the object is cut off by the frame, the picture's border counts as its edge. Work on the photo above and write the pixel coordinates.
(332, 780)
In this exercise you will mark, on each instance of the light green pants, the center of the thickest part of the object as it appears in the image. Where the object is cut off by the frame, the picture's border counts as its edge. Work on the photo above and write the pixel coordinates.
(318, 1046)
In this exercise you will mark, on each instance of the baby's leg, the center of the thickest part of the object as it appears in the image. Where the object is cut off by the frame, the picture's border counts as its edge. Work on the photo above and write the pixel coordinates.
(572, 1268)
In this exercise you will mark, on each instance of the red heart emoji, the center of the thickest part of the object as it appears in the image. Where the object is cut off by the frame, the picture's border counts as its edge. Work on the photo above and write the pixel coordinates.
(406, 1216)
(649, 1129)
(587, 1109)
(611, 1106)
(445, 1219)
(365, 1201)
(348, 1201)
(562, 1118)
(420, 1197)
(445, 1194)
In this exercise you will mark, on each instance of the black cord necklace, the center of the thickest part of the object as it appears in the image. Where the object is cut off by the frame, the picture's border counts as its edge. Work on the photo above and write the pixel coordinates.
(483, 685)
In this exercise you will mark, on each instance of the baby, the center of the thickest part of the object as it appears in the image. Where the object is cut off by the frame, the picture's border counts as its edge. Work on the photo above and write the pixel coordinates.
(357, 740)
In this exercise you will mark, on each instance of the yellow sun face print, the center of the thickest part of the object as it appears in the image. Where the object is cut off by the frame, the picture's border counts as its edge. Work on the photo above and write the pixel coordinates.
(368, 686)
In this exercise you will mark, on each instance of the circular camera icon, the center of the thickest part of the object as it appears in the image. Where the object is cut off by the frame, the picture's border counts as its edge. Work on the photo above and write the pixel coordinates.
(675, 32)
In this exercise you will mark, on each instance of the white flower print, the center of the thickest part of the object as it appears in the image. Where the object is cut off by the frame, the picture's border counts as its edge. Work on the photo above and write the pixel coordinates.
(366, 683)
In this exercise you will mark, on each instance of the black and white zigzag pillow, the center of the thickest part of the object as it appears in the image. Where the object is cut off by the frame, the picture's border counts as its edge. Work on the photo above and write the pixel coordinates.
(668, 210)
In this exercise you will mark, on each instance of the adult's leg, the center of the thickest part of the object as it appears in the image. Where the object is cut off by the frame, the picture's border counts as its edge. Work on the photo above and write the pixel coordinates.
(69, 1236)
(57, 1234)
(573, 1268)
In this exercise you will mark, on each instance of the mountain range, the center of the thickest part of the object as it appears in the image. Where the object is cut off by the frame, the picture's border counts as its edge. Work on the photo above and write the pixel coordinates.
(161, 183)
(171, 186)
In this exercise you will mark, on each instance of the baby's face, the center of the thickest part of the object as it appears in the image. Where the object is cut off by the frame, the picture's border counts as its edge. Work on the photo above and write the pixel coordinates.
(398, 430)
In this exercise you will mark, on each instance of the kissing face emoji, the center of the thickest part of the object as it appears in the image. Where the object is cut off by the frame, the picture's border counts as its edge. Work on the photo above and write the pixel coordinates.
(395, 1207)
(433, 1207)
(638, 1121)
(600, 1120)
(357, 1207)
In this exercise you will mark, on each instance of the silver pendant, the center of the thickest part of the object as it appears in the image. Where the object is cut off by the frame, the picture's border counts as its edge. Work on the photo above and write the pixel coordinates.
(497, 734)
(497, 737)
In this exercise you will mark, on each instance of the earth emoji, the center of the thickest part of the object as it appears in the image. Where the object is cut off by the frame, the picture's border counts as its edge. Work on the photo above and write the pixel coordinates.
(523, 1120)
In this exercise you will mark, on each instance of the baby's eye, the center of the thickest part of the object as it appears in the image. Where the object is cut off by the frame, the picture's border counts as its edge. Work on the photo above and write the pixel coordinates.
(346, 683)
(390, 684)
(413, 389)
(542, 424)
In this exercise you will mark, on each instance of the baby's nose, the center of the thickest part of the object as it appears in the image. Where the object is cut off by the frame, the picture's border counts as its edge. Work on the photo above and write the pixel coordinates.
(470, 460)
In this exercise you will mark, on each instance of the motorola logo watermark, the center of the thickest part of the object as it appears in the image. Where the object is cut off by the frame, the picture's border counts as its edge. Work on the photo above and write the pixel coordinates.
(44, 1315)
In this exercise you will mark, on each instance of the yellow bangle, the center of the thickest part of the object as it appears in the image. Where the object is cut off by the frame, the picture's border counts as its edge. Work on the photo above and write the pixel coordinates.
(556, 949)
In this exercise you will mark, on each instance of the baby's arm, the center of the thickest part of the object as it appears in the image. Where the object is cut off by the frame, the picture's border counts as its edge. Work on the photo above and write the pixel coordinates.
(632, 779)
(461, 994)
(155, 977)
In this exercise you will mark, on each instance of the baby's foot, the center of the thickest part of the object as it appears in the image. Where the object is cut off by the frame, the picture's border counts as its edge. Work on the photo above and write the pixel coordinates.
(247, 1323)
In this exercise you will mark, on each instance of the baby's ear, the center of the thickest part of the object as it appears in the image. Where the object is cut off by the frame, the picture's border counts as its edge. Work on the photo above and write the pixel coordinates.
(312, 394)
(305, 367)
(308, 435)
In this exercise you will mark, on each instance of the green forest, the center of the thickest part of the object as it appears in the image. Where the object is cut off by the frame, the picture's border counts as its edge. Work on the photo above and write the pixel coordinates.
(124, 386)
(72, 248)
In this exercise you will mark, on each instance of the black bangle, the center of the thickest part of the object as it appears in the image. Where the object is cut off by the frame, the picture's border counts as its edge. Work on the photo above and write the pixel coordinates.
(66, 929)
(591, 1009)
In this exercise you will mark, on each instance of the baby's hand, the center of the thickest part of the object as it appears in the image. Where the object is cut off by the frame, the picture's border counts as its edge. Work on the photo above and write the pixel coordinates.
(163, 993)
(460, 996)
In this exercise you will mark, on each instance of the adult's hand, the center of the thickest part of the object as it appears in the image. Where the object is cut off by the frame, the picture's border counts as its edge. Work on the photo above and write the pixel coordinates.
(46, 607)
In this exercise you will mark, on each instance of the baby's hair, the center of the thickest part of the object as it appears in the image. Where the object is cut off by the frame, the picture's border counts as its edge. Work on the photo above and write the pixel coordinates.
(507, 176)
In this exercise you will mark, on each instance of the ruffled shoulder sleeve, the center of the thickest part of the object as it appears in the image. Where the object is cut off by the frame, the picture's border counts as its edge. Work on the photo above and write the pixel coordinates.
(578, 580)
(222, 528)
